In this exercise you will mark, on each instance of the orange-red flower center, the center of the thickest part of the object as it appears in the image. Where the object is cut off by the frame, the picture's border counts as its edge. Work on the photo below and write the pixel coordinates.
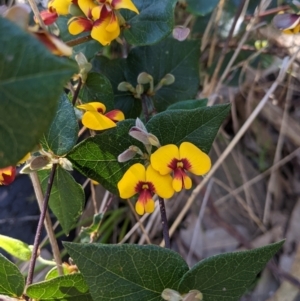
(99, 110)
(141, 187)
(182, 164)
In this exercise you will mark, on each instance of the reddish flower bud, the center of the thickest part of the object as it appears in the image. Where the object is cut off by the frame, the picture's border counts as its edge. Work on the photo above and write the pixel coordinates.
(48, 17)
(7, 175)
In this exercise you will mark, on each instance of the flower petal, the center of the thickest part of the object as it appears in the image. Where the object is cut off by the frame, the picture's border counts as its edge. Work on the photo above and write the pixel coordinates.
(128, 4)
(286, 21)
(93, 106)
(181, 180)
(60, 6)
(144, 203)
(96, 121)
(162, 184)
(115, 115)
(199, 161)
(113, 24)
(135, 174)
(77, 25)
(162, 157)
(100, 33)
(87, 6)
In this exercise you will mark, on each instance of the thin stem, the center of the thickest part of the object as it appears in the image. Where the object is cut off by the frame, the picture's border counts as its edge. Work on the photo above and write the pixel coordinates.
(79, 41)
(75, 96)
(164, 222)
(145, 107)
(40, 227)
(48, 223)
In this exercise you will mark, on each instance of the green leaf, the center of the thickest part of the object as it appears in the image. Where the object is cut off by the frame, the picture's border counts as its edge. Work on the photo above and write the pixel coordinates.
(31, 81)
(97, 157)
(154, 22)
(169, 56)
(64, 288)
(198, 126)
(53, 273)
(12, 282)
(15, 247)
(66, 198)
(98, 88)
(189, 104)
(201, 7)
(127, 272)
(114, 70)
(63, 132)
(226, 277)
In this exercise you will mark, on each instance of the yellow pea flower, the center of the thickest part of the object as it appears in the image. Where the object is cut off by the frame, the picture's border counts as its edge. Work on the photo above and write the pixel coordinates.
(95, 118)
(188, 157)
(7, 175)
(146, 182)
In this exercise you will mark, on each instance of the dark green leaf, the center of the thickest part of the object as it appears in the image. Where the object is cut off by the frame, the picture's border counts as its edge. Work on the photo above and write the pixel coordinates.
(201, 7)
(12, 282)
(96, 157)
(63, 132)
(169, 56)
(198, 126)
(66, 199)
(226, 277)
(64, 288)
(114, 71)
(154, 22)
(98, 88)
(31, 81)
(127, 272)
(189, 104)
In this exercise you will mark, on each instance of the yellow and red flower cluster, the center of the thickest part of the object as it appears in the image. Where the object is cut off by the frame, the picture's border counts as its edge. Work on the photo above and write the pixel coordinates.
(156, 178)
(100, 17)
(95, 118)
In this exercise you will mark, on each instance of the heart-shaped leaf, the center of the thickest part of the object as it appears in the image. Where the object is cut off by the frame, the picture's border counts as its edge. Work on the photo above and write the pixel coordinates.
(66, 198)
(198, 126)
(28, 95)
(127, 272)
(63, 132)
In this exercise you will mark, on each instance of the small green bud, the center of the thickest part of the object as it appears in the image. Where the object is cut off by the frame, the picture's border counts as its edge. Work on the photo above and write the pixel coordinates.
(125, 86)
(171, 295)
(168, 79)
(144, 78)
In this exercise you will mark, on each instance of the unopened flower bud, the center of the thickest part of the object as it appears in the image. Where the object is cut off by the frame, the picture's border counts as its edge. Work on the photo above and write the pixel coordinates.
(168, 79)
(65, 164)
(144, 78)
(128, 154)
(39, 162)
(84, 66)
(171, 295)
(139, 135)
(180, 33)
(125, 86)
(193, 295)
(153, 140)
